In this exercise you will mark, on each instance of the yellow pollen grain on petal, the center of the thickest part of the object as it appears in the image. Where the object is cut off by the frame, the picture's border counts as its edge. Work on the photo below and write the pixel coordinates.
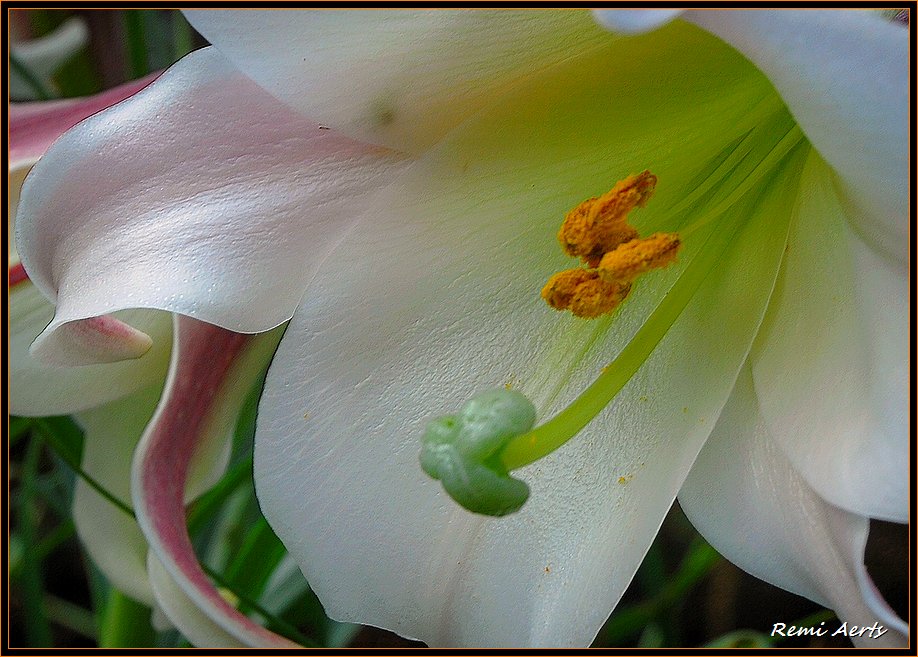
(639, 256)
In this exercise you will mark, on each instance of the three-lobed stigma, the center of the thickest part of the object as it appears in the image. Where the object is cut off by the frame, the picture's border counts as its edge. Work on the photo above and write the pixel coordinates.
(463, 451)
(598, 232)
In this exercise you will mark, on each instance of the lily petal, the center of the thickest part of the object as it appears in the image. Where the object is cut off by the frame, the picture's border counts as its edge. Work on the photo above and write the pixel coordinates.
(34, 126)
(228, 230)
(830, 364)
(102, 339)
(748, 501)
(15, 177)
(856, 62)
(403, 78)
(41, 389)
(112, 537)
(635, 21)
(462, 244)
(212, 372)
(196, 625)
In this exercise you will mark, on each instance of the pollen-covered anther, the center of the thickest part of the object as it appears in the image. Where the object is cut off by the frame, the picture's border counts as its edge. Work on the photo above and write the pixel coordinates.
(608, 236)
(599, 224)
(639, 256)
(561, 287)
(584, 293)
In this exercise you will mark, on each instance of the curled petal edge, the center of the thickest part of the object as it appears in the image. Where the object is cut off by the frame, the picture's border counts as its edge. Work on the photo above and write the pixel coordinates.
(212, 370)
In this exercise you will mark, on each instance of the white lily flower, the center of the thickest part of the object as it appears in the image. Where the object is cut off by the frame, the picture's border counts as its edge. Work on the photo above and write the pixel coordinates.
(754, 375)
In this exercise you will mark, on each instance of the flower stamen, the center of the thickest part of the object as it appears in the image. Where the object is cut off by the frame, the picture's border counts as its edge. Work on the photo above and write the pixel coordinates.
(584, 292)
(474, 453)
(599, 224)
(639, 256)
(598, 231)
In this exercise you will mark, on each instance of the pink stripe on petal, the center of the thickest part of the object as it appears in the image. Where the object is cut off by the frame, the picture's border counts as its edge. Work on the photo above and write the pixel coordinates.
(33, 127)
(202, 369)
(102, 339)
(17, 274)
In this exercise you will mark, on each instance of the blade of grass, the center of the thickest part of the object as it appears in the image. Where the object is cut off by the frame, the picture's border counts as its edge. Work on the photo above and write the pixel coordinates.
(65, 449)
(17, 548)
(259, 555)
(38, 88)
(58, 536)
(205, 506)
(71, 616)
(135, 42)
(631, 620)
(277, 624)
(697, 563)
(37, 627)
(125, 623)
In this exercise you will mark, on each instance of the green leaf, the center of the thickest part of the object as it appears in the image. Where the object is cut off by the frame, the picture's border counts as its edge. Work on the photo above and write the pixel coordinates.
(256, 560)
(66, 439)
(31, 584)
(63, 435)
(627, 621)
(136, 45)
(183, 36)
(205, 507)
(38, 88)
(125, 623)
(18, 428)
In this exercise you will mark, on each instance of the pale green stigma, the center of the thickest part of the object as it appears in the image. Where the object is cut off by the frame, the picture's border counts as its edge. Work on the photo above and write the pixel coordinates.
(464, 451)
